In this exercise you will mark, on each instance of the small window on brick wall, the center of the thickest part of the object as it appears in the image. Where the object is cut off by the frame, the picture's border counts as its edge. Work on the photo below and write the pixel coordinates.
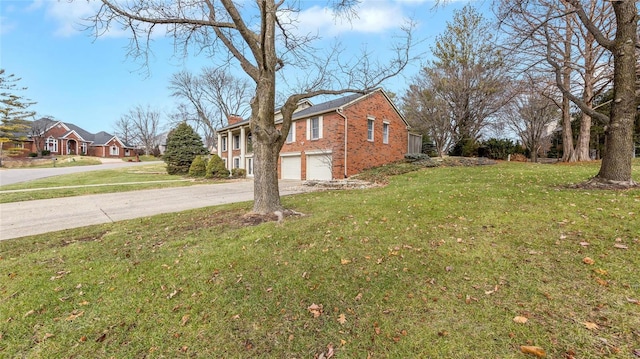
(370, 129)
(385, 132)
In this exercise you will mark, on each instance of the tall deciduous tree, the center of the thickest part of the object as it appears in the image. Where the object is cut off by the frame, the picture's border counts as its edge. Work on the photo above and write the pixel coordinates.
(261, 37)
(621, 45)
(14, 114)
(427, 114)
(141, 126)
(469, 75)
(617, 160)
(210, 98)
(584, 67)
(531, 114)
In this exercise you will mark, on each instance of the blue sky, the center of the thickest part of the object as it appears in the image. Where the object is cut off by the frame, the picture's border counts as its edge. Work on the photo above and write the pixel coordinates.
(90, 82)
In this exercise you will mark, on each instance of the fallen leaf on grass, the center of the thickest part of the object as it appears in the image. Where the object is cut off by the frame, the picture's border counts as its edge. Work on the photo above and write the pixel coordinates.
(315, 309)
(537, 351)
(584, 244)
(520, 319)
(591, 326)
(633, 300)
(620, 246)
(342, 318)
(74, 315)
(358, 297)
(588, 261)
(602, 282)
(328, 354)
(185, 319)
(636, 352)
(345, 261)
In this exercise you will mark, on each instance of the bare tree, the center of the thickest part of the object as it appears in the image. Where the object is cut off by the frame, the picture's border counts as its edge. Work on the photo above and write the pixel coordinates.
(427, 114)
(584, 66)
(469, 76)
(616, 164)
(531, 115)
(261, 37)
(144, 125)
(210, 98)
(617, 160)
(125, 129)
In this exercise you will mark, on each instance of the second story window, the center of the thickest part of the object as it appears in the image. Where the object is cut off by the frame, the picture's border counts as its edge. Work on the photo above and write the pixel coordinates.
(236, 142)
(315, 128)
(291, 136)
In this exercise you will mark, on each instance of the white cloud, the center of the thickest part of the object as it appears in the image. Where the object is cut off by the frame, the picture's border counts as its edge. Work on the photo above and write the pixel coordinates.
(373, 16)
(69, 15)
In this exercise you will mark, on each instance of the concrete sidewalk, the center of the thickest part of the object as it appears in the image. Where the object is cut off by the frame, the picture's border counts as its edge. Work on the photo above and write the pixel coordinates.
(27, 218)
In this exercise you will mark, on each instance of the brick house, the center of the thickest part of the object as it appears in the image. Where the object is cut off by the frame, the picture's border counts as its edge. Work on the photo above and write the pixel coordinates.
(62, 138)
(331, 140)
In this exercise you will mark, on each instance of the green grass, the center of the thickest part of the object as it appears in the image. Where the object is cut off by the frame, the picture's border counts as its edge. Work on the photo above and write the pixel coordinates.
(434, 265)
(66, 161)
(94, 182)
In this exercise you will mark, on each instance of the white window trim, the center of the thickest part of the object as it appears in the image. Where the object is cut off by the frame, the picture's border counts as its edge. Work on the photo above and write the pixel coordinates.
(291, 136)
(385, 134)
(224, 143)
(249, 166)
(52, 141)
(234, 162)
(112, 152)
(309, 137)
(373, 128)
(234, 142)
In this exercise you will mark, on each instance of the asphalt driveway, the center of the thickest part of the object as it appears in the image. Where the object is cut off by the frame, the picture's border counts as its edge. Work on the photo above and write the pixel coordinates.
(27, 218)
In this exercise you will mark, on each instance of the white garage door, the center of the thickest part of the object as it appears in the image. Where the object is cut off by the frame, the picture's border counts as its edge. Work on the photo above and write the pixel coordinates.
(319, 167)
(291, 166)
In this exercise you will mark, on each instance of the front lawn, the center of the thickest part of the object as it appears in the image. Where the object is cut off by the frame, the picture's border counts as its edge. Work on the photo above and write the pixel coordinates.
(450, 262)
(146, 176)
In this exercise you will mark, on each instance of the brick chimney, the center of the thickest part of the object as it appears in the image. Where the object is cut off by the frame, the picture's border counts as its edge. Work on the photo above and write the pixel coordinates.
(233, 119)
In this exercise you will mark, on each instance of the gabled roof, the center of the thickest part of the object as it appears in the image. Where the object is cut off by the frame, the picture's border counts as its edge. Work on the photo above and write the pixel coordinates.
(98, 139)
(326, 106)
(79, 131)
(329, 106)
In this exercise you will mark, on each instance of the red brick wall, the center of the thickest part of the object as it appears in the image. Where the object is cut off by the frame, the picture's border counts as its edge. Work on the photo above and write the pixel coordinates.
(362, 153)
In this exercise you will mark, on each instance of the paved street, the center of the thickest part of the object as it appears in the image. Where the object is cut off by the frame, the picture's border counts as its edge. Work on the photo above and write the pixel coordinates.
(37, 217)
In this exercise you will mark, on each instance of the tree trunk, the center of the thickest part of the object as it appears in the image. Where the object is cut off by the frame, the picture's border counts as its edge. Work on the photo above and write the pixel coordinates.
(584, 137)
(267, 139)
(265, 183)
(616, 162)
(568, 155)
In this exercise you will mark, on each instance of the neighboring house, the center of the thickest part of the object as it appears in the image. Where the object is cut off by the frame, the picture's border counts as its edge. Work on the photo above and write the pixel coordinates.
(331, 140)
(62, 138)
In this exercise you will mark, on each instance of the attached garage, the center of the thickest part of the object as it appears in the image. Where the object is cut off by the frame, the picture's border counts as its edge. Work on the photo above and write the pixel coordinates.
(290, 167)
(319, 166)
